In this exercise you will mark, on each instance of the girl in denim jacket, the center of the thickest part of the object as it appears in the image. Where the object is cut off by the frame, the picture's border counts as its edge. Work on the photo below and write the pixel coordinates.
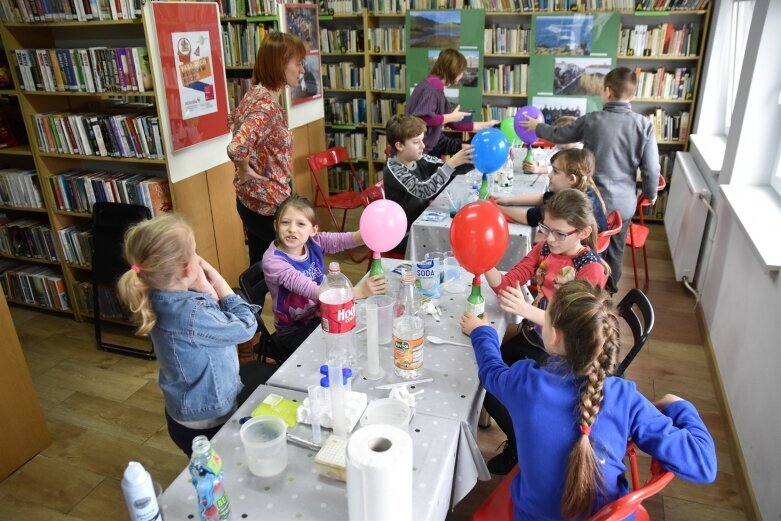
(194, 320)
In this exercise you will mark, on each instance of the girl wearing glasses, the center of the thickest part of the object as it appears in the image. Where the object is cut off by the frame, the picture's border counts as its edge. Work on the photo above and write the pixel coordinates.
(571, 168)
(570, 236)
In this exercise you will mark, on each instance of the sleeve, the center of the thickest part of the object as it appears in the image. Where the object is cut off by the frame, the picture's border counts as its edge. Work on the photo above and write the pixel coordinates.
(433, 120)
(649, 164)
(563, 134)
(676, 437)
(523, 271)
(422, 189)
(495, 375)
(462, 126)
(253, 130)
(594, 272)
(534, 215)
(335, 242)
(230, 322)
(280, 272)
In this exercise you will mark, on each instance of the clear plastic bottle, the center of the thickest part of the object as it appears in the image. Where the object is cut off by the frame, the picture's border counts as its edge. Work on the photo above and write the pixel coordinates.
(337, 316)
(407, 331)
(474, 195)
(206, 472)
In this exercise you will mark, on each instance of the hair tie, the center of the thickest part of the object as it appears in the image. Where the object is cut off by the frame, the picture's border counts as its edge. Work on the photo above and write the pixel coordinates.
(585, 430)
(135, 268)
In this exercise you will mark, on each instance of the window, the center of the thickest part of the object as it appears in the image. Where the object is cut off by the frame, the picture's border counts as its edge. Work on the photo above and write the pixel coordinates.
(740, 22)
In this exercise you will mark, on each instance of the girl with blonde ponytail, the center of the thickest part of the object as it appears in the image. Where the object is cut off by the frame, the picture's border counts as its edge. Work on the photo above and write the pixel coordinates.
(572, 419)
(194, 321)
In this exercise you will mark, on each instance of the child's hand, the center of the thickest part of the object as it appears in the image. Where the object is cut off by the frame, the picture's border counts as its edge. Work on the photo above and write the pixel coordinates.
(219, 285)
(470, 321)
(461, 157)
(503, 200)
(533, 167)
(371, 286)
(201, 283)
(511, 300)
(530, 122)
(666, 400)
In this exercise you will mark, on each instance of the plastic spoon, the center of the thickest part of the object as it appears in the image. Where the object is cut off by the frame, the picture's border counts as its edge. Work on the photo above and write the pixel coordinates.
(436, 340)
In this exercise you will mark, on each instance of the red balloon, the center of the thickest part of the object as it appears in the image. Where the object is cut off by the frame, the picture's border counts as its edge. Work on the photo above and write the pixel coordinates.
(479, 235)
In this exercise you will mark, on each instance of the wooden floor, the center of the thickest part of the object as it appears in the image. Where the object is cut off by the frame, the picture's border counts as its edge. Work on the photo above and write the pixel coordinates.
(104, 410)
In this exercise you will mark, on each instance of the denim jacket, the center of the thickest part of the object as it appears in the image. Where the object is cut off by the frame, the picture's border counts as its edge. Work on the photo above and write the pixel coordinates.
(195, 341)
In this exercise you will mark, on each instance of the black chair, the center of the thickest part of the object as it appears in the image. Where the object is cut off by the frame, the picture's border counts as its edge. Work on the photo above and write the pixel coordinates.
(253, 285)
(110, 221)
(636, 309)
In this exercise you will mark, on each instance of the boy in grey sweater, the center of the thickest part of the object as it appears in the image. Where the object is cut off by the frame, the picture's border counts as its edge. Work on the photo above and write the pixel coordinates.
(622, 141)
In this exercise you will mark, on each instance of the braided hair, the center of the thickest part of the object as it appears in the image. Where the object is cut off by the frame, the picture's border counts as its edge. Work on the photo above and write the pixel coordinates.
(589, 324)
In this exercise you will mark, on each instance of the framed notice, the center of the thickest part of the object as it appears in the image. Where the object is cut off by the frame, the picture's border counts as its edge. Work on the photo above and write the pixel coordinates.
(190, 47)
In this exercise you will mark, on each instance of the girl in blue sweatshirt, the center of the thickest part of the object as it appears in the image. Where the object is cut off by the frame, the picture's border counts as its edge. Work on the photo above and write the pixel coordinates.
(572, 420)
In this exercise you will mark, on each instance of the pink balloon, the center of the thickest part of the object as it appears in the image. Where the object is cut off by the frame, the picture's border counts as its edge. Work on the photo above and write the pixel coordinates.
(383, 225)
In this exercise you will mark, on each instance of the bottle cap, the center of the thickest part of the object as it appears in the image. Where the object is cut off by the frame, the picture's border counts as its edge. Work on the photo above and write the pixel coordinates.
(334, 267)
(408, 278)
(135, 473)
(325, 382)
(346, 372)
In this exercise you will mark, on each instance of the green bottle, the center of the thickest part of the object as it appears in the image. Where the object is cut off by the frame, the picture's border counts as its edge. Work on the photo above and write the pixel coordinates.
(484, 193)
(376, 268)
(475, 303)
(528, 159)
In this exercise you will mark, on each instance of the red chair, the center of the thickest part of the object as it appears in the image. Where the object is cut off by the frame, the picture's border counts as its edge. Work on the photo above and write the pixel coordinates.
(348, 200)
(614, 224)
(638, 234)
(499, 505)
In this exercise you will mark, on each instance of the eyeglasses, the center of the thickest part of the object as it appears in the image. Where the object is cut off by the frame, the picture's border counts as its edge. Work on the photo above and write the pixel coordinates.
(558, 235)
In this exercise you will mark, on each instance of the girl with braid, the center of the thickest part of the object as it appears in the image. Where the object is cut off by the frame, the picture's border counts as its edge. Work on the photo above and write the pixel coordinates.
(572, 420)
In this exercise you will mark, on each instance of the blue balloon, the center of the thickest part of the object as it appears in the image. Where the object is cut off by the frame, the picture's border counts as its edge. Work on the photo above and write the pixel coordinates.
(491, 150)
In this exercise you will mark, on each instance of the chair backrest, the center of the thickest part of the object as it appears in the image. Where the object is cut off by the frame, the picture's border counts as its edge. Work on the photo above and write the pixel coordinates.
(374, 193)
(643, 202)
(326, 159)
(253, 284)
(614, 224)
(637, 311)
(110, 221)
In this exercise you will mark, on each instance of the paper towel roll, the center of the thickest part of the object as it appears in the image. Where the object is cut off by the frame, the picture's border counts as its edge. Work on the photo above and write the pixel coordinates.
(379, 474)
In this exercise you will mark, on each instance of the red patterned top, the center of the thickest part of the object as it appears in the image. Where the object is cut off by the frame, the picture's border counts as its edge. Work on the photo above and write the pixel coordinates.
(260, 133)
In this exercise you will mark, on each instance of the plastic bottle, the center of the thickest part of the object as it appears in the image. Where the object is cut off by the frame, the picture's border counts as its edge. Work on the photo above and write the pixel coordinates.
(407, 332)
(139, 493)
(528, 159)
(473, 195)
(337, 312)
(206, 472)
(484, 193)
(475, 303)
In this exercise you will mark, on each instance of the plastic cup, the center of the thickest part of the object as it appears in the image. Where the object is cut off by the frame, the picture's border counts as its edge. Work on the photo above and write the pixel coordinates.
(452, 274)
(384, 316)
(265, 445)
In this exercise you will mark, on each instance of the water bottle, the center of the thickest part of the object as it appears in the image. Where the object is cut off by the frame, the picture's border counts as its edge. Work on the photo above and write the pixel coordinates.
(337, 316)
(139, 494)
(474, 195)
(206, 472)
(407, 331)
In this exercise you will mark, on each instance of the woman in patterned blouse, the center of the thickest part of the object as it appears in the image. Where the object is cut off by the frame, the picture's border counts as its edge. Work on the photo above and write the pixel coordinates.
(262, 145)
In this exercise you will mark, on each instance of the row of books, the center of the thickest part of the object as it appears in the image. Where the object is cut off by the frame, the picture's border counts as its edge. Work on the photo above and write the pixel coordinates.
(261, 7)
(388, 75)
(661, 40)
(489, 112)
(19, 188)
(507, 40)
(354, 142)
(343, 75)
(656, 211)
(340, 179)
(666, 5)
(341, 40)
(341, 112)
(384, 109)
(27, 238)
(94, 69)
(121, 135)
(670, 127)
(380, 140)
(76, 244)
(241, 41)
(386, 39)
(68, 10)
(77, 190)
(586, 5)
(506, 79)
(678, 85)
(110, 305)
(343, 6)
(237, 88)
(35, 285)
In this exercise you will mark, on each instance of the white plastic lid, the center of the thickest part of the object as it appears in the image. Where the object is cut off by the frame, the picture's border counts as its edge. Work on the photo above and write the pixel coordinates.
(135, 474)
(334, 267)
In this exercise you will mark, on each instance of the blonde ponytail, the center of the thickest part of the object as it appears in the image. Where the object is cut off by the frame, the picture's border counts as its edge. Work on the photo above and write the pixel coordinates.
(158, 250)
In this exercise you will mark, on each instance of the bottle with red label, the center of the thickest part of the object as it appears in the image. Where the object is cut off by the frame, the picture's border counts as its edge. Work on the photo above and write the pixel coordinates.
(337, 316)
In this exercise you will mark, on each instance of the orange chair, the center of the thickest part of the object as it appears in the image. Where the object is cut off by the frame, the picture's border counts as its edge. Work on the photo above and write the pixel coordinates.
(499, 505)
(348, 200)
(614, 224)
(638, 234)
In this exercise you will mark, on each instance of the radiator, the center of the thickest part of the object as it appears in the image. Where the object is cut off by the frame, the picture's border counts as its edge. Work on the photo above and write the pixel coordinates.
(685, 215)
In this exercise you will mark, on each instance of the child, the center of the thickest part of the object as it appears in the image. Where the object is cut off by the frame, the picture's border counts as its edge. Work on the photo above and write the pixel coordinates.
(412, 178)
(543, 158)
(294, 269)
(573, 420)
(194, 320)
(622, 142)
(428, 102)
(569, 222)
(572, 168)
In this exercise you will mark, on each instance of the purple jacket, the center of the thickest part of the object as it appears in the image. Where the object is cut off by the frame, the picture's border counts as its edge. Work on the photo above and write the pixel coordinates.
(428, 102)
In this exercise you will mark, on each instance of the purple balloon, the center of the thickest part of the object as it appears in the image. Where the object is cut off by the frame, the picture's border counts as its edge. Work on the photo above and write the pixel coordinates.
(524, 134)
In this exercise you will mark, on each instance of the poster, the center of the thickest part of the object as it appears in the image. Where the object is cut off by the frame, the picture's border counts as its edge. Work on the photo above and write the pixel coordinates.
(554, 107)
(190, 53)
(437, 29)
(301, 21)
